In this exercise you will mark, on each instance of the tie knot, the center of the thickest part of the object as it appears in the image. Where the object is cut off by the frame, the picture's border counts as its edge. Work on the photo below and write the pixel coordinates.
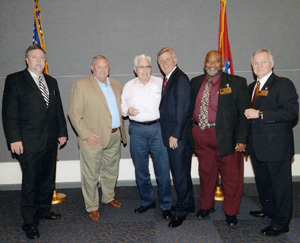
(40, 78)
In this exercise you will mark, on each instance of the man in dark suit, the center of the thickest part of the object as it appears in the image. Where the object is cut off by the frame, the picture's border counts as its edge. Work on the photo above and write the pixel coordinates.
(34, 123)
(271, 143)
(220, 132)
(175, 111)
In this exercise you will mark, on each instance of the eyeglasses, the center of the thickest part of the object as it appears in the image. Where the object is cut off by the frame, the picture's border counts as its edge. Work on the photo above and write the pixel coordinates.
(142, 68)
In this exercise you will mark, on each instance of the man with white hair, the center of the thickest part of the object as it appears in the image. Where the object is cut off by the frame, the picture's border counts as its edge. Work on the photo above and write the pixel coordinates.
(271, 143)
(140, 101)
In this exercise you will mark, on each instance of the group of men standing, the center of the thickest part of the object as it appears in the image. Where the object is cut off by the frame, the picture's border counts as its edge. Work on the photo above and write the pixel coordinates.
(215, 115)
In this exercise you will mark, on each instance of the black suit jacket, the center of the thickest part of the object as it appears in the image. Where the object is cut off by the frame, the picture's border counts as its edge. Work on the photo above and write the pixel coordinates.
(175, 106)
(273, 135)
(25, 115)
(231, 124)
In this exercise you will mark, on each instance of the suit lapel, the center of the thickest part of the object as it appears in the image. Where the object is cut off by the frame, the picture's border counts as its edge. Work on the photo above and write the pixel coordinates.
(170, 81)
(267, 86)
(97, 88)
(32, 83)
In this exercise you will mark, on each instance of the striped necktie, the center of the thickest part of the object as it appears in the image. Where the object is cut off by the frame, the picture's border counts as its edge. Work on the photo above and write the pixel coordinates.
(44, 90)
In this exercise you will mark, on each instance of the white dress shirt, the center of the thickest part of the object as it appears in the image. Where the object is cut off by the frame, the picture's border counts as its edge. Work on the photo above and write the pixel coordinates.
(144, 97)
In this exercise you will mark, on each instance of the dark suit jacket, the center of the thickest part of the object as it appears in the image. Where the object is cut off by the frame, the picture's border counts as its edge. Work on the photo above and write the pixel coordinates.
(273, 135)
(25, 115)
(231, 124)
(175, 106)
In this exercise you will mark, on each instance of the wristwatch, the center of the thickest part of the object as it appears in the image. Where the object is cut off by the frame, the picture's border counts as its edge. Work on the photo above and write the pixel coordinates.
(261, 115)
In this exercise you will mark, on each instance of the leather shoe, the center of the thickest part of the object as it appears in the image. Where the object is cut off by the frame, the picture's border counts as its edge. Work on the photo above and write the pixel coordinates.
(231, 220)
(143, 209)
(94, 216)
(167, 214)
(114, 203)
(201, 214)
(176, 221)
(272, 231)
(258, 214)
(32, 232)
(52, 215)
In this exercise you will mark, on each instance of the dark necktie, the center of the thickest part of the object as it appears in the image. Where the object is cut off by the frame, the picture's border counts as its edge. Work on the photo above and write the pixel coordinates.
(165, 83)
(203, 114)
(255, 93)
(44, 91)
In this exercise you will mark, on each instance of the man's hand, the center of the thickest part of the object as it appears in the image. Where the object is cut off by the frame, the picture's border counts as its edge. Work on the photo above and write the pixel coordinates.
(62, 141)
(92, 140)
(240, 147)
(251, 113)
(173, 143)
(17, 147)
(133, 111)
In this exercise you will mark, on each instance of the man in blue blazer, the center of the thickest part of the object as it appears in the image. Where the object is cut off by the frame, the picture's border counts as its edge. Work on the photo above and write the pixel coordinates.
(271, 144)
(34, 124)
(175, 111)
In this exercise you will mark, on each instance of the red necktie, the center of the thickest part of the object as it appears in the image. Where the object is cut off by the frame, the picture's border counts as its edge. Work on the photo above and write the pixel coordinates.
(255, 93)
(165, 83)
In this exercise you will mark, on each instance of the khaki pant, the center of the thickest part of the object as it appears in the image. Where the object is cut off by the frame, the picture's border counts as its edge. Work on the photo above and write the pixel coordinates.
(104, 163)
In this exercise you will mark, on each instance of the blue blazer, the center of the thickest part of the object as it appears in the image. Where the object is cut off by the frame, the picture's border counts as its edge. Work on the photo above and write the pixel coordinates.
(175, 106)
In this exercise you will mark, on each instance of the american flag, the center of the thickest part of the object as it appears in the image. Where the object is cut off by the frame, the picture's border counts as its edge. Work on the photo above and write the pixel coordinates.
(38, 35)
(224, 46)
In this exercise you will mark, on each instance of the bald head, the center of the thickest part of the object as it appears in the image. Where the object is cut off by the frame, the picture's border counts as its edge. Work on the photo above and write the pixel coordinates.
(213, 63)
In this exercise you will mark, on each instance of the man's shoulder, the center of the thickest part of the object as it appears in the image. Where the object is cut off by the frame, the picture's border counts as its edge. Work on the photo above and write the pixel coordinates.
(198, 78)
(84, 81)
(17, 74)
(115, 82)
(233, 77)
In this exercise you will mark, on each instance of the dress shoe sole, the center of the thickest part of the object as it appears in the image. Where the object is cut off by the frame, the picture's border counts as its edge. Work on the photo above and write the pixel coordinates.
(204, 217)
(277, 233)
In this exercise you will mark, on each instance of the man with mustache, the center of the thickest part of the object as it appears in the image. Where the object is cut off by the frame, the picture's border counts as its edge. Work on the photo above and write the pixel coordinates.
(220, 131)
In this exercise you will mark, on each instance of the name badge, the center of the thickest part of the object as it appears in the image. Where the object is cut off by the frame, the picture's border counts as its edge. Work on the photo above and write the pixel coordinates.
(263, 93)
(226, 90)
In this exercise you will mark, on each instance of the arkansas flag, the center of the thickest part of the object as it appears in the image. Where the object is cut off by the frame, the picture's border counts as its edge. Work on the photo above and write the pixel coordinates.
(224, 46)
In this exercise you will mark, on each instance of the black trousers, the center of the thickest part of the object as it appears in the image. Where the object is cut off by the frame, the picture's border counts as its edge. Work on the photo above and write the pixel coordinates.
(180, 164)
(38, 184)
(274, 186)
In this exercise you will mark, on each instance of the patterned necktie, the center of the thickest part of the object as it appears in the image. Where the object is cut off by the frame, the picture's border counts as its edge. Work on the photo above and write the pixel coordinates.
(165, 83)
(203, 115)
(255, 93)
(44, 91)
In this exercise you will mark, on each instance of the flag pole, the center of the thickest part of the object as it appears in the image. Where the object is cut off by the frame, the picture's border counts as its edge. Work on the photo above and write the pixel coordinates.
(39, 40)
(224, 49)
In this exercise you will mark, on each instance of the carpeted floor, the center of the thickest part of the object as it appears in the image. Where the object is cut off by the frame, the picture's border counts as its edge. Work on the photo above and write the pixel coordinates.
(125, 226)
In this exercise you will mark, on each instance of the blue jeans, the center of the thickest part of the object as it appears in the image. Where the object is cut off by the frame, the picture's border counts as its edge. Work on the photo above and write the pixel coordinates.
(145, 140)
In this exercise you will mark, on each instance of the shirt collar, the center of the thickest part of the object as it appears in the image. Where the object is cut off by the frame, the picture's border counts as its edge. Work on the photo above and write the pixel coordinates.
(168, 76)
(214, 79)
(264, 79)
(34, 76)
(102, 84)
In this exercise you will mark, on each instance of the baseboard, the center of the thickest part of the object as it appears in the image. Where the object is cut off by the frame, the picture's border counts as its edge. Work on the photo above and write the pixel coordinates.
(63, 185)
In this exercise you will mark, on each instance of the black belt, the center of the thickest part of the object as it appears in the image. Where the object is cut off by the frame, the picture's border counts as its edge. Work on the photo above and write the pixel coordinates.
(148, 123)
(208, 124)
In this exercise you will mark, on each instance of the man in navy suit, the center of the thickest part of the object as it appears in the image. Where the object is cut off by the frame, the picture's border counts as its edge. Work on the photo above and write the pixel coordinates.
(220, 142)
(175, 111)
(34, 124)
(271, 144)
